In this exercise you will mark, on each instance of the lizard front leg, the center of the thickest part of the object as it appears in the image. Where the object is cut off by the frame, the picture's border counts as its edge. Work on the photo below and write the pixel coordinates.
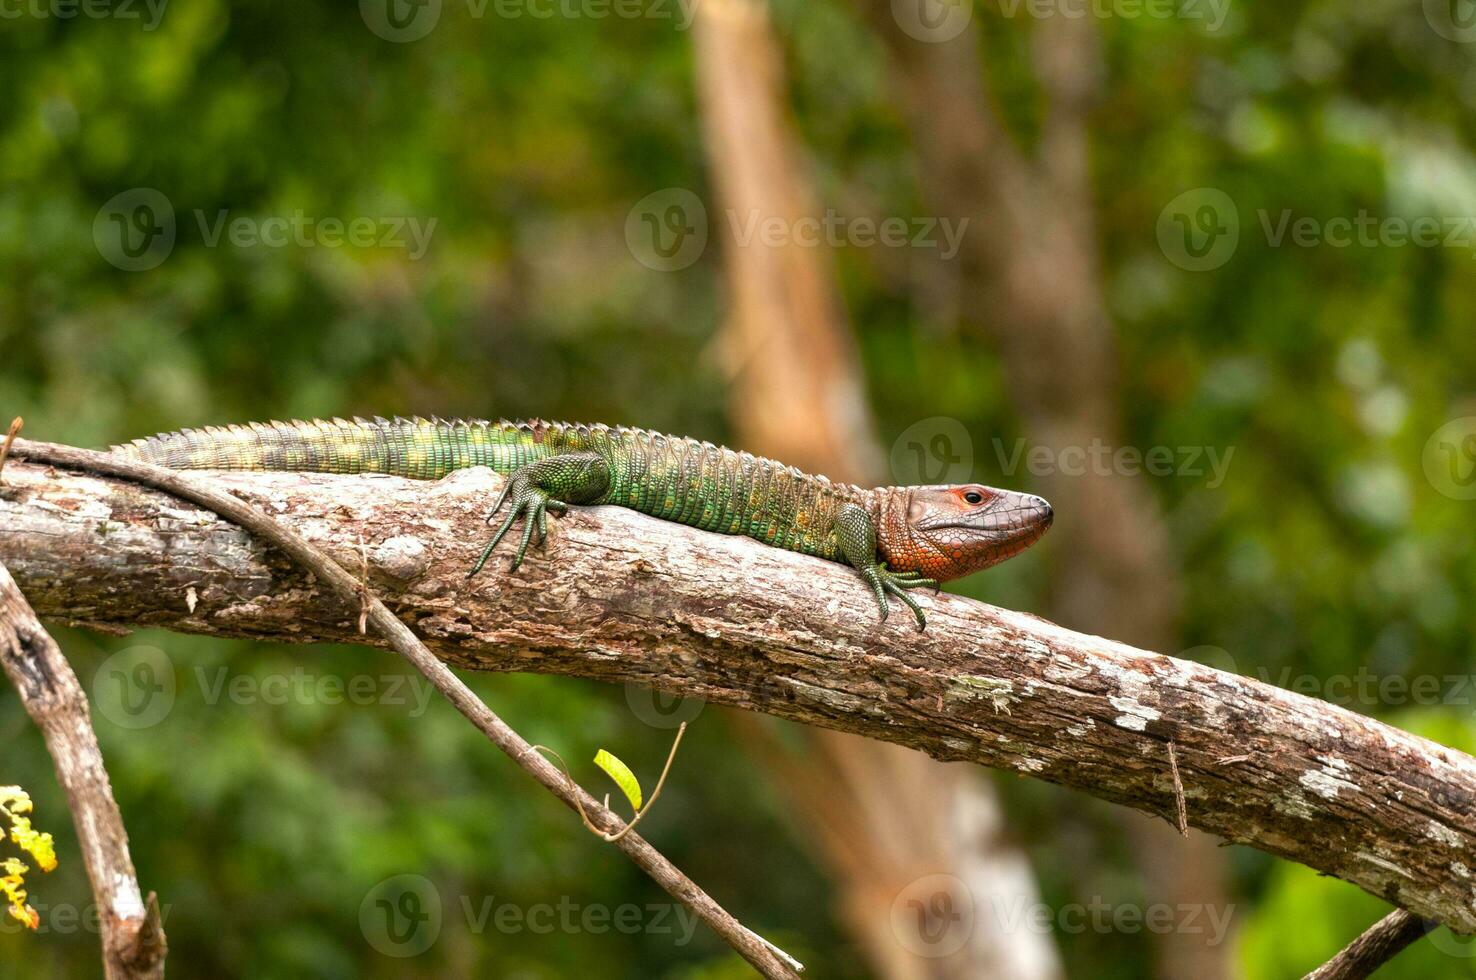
(856, 533)
(549, 484)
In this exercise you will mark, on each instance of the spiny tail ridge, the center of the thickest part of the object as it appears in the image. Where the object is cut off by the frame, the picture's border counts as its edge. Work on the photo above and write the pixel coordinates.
(415, 447)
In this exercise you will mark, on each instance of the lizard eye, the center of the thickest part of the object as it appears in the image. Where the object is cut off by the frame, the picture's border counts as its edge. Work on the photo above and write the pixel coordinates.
(974, 497)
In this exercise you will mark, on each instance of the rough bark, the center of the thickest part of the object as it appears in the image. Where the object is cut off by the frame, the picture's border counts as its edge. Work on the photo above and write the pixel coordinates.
(1382, 941)
(622, 597)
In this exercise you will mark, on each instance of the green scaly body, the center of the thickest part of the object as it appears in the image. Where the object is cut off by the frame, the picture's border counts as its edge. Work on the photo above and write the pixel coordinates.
(670, 477)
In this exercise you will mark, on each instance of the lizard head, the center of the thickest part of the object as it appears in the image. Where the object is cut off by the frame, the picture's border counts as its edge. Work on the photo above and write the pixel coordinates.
(949, 531)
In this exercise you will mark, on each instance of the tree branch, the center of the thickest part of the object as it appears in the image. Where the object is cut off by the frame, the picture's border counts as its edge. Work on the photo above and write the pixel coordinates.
(1377, 946)
(132, 936)
(764, 956)
(618, 596)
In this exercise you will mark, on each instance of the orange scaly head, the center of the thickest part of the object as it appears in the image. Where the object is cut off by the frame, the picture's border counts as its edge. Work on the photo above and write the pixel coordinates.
(949, 531)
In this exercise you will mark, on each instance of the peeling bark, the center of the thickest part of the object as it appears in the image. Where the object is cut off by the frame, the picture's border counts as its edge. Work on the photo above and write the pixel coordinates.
(621, 597)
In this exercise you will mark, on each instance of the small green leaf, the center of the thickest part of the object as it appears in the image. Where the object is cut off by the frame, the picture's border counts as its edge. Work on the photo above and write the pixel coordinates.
(622, 775)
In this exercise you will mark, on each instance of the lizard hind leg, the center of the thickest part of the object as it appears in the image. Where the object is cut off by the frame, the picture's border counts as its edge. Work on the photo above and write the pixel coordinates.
(548, 484)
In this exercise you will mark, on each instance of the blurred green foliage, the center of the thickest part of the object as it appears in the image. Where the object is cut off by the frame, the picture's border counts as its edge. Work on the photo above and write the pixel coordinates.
(266, 827)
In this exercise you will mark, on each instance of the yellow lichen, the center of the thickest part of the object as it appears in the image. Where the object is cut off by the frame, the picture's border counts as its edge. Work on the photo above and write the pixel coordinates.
(15, 804)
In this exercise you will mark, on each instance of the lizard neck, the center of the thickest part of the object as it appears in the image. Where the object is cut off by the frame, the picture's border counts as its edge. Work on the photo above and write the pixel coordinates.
(898, 546)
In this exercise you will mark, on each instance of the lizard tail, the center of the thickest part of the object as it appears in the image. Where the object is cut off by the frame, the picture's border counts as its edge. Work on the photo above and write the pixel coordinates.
(418, 448)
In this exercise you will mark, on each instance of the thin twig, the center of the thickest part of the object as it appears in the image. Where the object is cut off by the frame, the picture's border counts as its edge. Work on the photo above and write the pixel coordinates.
(1379, 944)
(612, 838)
(15, 427)
(132, 935)
(1183, 823)
(763, 955)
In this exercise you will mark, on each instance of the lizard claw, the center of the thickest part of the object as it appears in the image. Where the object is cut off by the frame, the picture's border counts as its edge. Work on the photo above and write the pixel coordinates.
(884, 582)
(530, 502)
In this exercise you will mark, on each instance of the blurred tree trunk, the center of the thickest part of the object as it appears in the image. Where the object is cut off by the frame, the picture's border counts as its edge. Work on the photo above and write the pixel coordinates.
(1029, 277)
(885, 818)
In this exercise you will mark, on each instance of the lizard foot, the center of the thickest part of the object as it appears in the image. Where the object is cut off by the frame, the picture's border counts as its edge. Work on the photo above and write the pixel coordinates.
(884, 581)
(531, 502)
